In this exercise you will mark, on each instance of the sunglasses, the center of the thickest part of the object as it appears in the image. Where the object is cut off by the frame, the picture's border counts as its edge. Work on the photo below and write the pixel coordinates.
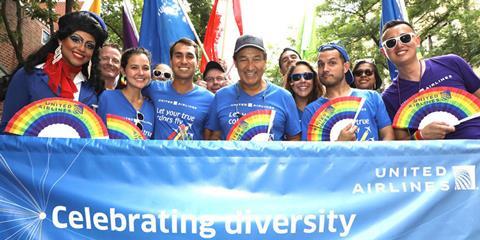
(359, 73)
(404, 38)
(297, 76)
(138, 120)
(158, 73)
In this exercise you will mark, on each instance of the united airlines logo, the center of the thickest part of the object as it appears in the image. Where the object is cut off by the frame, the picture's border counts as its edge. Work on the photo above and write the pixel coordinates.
(419, 179)
(464, 177)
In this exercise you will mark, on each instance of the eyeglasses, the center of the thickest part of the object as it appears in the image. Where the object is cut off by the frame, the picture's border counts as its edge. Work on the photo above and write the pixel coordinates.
(77, 40)
(404, 38)
(158, 73)
(138, 120)
(359, 73)
(211, 79)
(297, 76)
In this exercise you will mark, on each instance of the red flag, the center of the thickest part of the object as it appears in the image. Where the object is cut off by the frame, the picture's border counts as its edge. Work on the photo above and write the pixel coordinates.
(221, 34)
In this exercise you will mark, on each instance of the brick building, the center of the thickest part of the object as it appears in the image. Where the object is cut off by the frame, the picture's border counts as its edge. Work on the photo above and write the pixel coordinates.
(35, 33)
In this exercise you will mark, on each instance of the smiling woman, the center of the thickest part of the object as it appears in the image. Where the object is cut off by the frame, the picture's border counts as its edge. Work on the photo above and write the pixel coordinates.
(60, 67)
(129, 103)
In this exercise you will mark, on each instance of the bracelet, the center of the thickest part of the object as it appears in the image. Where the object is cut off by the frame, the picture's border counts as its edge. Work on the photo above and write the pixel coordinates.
(417, 135)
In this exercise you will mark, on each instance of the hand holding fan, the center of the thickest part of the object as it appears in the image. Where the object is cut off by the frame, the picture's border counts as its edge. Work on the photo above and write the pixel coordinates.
(334, 115)
(447, 104)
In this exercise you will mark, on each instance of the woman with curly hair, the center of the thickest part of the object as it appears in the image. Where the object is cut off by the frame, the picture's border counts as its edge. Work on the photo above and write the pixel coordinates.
(60, 68)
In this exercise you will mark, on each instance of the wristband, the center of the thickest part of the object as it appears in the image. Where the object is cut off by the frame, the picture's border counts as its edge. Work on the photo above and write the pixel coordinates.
(417, 135)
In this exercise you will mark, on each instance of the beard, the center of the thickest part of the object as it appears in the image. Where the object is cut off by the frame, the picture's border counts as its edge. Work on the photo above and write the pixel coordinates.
(331, 80)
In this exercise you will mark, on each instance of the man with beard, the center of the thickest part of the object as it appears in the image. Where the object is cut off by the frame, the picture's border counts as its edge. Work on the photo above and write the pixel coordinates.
(334, 73)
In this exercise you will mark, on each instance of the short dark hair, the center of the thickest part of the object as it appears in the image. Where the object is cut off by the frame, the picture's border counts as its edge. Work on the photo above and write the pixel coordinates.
(187, 42)
(134, 51)
(285, 50)
(394, 23)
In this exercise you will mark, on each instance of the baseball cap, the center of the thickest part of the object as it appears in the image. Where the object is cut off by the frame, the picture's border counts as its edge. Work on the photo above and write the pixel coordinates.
(343, 52)
(212, 65)
(248, 41)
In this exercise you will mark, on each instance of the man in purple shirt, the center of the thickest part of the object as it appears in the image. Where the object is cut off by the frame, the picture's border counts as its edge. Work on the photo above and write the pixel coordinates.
(400, 43)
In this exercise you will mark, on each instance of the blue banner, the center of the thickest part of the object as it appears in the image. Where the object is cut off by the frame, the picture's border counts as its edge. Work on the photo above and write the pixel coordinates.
(163, 23)
(120, 189)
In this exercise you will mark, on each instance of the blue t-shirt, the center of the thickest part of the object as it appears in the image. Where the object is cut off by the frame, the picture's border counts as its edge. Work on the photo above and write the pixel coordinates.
(270, 114)
(442, 71)
(372, 117)
(114, 102)
(26, 88)
(179, 116)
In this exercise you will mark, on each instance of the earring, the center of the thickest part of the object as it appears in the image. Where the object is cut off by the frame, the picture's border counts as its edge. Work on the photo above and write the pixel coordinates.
(58, 54)
(89, 68)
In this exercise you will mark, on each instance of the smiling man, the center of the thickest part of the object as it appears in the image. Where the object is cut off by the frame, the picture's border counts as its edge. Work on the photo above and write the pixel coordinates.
(181, 107)
(109, 65)
(253, 108)
(400, 43)
(334, 73)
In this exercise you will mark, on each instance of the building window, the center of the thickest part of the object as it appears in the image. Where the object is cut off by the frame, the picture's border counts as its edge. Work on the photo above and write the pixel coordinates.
(45, 37)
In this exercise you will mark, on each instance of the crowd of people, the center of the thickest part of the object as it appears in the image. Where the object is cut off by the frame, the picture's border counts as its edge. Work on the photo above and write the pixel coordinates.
(165, 102)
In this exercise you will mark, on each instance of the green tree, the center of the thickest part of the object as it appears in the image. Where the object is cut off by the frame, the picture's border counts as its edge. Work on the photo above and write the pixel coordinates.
(355, 24)
(200, 13)
(41, 10)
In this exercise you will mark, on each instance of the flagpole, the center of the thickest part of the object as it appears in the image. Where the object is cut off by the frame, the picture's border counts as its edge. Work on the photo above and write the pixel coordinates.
(225, 28)
(193, 30)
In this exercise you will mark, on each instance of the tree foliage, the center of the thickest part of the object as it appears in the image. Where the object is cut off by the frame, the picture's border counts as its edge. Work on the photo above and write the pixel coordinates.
(43, 10)
(450, 27)
(200, 13)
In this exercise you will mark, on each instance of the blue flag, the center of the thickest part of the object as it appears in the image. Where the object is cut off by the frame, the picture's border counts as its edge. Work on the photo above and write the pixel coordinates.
(392, 10)
(163, 23)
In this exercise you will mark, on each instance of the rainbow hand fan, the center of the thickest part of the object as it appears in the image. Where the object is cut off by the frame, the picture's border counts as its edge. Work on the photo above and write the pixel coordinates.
(334, 115)
(255, 126)
(121, 128)
(57, 117)
(447, 104)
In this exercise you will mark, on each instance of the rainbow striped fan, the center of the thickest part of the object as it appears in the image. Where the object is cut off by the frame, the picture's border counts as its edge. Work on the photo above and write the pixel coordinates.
(57, 117)
(121, 128)
(334, 115)
(255, 126)
(447, 104)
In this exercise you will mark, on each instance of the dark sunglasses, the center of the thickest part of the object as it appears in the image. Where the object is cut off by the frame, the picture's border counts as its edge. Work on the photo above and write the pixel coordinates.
(138, 120)
(158, 73)
(297, 76)
(359, 73)
(404, 38)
